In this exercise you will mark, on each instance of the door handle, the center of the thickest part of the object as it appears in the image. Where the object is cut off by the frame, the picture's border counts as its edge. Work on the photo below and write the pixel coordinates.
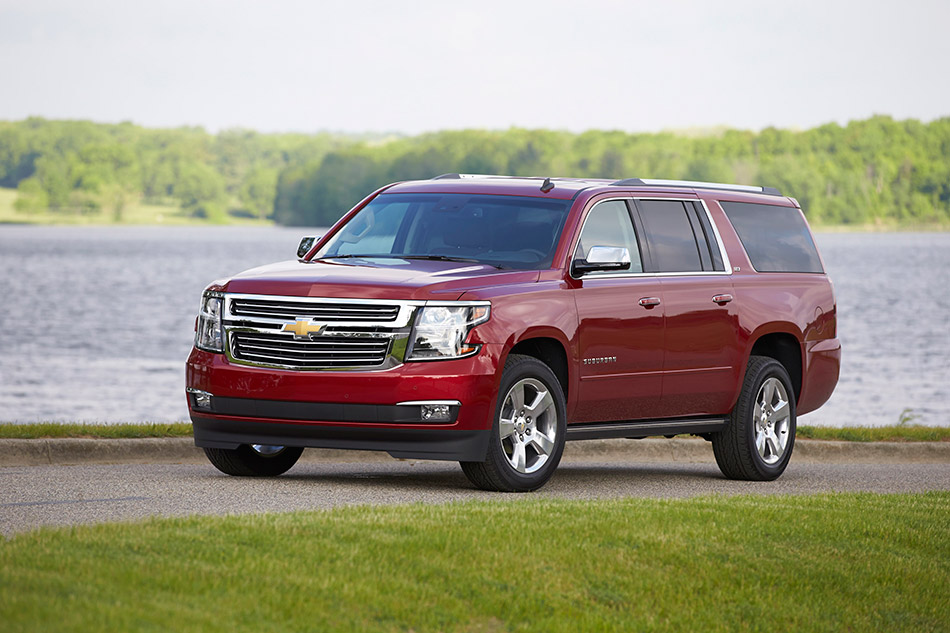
(722, 299)
(649, 302)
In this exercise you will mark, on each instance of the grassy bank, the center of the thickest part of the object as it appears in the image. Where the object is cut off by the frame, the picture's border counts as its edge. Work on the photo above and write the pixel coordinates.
(812, 563)
(109, 431)
(139, 213)
(900, 433)
(135, 213)
(897, 433)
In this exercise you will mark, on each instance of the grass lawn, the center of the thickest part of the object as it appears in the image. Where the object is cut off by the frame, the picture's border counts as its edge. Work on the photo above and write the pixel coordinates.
(900, 433)
(848, 562)
(111, 431)
(897, 433)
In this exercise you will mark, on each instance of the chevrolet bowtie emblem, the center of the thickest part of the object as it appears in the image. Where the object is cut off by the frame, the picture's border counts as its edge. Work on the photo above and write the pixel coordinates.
(303, 328)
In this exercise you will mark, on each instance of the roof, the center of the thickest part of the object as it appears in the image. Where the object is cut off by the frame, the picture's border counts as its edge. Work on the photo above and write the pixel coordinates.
(564, 188)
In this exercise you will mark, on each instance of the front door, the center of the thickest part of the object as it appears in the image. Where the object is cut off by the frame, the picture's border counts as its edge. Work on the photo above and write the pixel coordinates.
(620, 326)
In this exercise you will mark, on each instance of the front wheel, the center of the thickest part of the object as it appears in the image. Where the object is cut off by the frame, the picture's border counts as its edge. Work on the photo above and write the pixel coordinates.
(254, 460)
(527, 436)
(760, 434)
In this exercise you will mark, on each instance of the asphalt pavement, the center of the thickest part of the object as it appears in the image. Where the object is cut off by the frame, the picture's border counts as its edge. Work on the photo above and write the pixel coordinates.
(57, 495)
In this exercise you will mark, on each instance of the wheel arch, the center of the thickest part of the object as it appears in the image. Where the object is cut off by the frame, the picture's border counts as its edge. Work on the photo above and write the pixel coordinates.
(787, 349)
(549, 350)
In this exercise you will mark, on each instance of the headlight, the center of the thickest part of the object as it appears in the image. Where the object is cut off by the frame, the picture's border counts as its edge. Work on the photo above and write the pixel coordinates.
(209, 337)
(440, 331)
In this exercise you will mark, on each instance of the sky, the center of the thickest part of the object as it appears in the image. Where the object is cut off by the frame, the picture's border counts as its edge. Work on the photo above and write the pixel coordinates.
(412, 67)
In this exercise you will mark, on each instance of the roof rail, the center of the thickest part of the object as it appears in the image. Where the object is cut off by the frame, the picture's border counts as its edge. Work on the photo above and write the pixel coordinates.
(460, 176)
(640, 182)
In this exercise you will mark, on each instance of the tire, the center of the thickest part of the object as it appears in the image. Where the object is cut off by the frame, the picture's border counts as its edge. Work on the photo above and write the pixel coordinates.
(254, 460)
(526, 441)
(757, 442)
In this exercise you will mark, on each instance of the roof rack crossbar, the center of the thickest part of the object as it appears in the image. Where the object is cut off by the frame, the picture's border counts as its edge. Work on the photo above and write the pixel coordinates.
(695, 184)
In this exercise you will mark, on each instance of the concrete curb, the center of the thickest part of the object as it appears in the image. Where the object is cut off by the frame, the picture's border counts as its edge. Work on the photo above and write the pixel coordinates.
(181, 450)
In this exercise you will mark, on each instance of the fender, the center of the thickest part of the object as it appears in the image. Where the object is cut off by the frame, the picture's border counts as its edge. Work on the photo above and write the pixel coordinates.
(530, 311)
(774, 327)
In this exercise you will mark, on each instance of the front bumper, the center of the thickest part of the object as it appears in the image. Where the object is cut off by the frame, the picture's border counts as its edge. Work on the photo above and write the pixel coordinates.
(452, 445)
(347, 409)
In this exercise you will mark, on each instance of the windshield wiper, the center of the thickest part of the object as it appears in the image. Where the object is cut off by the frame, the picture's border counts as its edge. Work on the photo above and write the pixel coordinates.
(347, 256)
(449, 258)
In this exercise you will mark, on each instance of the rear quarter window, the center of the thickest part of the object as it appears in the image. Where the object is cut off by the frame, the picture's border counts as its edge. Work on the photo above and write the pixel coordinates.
(776, 239)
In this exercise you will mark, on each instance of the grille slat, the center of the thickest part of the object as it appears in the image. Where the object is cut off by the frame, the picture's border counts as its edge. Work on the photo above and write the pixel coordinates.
(327, 312)
(357, 334)
(247, 349)
(280, 341)
(327, 352)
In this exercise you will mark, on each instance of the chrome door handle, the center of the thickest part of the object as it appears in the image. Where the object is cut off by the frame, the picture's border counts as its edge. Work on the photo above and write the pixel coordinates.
(649, 302)
(722, 299)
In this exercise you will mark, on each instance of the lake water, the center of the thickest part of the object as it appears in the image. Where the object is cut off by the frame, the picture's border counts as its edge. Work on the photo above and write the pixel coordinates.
(96, 322)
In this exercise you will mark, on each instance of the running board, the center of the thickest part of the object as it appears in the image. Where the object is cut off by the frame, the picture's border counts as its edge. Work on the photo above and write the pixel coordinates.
(636, 430)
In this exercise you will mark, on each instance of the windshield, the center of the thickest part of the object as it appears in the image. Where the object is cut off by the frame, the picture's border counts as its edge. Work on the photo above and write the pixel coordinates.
(502, 231)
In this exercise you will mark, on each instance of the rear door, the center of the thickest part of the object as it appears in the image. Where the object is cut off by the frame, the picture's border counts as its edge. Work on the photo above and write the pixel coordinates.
(701, 354)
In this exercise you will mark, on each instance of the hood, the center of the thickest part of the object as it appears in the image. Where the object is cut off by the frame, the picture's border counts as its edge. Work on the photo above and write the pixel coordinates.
(374, 278)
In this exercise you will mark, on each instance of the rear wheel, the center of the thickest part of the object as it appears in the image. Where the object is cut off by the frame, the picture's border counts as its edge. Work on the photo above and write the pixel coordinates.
(254, 460)
(758, 439)
(527, 436)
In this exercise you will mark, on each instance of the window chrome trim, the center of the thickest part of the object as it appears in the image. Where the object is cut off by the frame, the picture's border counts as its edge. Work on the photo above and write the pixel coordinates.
(727, 264)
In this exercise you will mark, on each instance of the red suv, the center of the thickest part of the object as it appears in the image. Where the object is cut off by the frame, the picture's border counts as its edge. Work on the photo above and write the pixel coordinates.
(488, 319)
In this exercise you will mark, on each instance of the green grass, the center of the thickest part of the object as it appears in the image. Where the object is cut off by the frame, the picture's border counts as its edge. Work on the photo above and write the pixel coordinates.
(138, 212)
(850, 562)
(897, 433)
(7, 198)
(111, 431)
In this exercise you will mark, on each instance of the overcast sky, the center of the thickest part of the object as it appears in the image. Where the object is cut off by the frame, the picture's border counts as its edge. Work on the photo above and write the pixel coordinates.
(420, 66)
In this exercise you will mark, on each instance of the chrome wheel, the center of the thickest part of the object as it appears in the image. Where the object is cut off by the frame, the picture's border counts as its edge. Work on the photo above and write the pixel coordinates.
(266, 450)
(527, 425)
(771, 418)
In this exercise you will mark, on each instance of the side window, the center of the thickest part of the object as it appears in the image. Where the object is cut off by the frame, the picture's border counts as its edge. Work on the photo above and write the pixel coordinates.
(608, 224)
(669, 233)
(776, 238)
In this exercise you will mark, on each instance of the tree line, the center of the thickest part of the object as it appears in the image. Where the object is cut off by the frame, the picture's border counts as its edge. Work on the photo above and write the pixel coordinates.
(868, 171)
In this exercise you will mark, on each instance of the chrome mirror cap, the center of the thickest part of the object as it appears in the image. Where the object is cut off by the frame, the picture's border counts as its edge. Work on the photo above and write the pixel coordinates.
(608, 255)
(602, 258)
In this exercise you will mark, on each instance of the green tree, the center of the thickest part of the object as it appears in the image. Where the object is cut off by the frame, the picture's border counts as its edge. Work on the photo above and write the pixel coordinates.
(259, 191)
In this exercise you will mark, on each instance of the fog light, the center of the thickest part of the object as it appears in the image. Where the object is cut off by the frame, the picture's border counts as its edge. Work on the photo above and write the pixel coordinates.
(203, 400)
(435, 412)
(200, 399)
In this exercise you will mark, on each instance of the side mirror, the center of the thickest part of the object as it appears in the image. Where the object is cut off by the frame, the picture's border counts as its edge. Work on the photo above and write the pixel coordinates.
(305, 245)
(603, 258)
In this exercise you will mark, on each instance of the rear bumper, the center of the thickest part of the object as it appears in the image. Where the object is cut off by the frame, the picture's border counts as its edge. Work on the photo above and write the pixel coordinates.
(822, 366)
(441, 444)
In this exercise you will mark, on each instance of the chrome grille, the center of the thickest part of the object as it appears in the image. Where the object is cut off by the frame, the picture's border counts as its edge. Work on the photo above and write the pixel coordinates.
(326, 312)
(322, 352)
